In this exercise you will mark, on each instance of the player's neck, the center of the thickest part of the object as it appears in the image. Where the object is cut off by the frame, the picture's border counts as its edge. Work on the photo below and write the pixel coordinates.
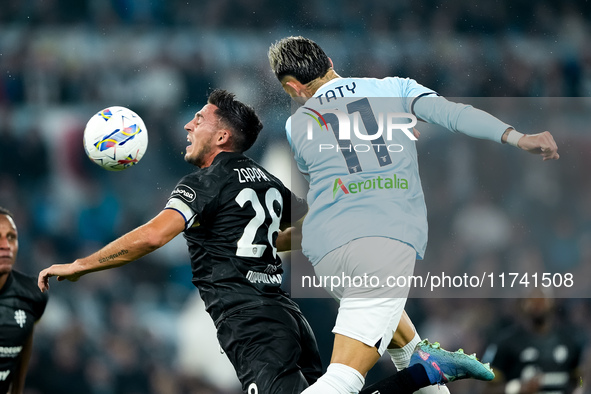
(210, 159)
(541, 326)
(3, 279)
(316, 84)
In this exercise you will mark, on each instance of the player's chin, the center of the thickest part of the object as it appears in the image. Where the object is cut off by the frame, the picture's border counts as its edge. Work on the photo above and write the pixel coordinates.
(5, 265)
(191, 159)
(189, 151)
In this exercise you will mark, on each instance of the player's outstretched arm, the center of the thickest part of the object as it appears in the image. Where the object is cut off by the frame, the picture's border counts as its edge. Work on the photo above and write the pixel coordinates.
(131, 246)
(540, 144)
(465, 119)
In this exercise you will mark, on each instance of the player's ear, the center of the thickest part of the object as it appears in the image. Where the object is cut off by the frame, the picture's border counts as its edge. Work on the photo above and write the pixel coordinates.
(295, 86)
(331, 64)
(223, 137)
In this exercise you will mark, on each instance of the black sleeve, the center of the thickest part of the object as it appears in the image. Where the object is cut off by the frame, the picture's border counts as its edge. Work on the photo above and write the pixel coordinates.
(40, 306)
(190, 196)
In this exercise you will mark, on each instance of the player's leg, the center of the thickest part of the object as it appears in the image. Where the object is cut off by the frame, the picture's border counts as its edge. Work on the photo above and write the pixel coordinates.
(403, 342)
(264, 346)
(368, 315)
(401, 348)
(407, 381)
(430, 364)
(309, 361)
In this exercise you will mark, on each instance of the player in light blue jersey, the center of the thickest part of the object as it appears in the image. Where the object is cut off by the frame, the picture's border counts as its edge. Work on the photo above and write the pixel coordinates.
(354, 140)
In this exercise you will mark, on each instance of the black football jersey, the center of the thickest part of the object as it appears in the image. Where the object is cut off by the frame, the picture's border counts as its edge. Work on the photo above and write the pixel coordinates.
(552, 357)
(233, 210)
(21, 305)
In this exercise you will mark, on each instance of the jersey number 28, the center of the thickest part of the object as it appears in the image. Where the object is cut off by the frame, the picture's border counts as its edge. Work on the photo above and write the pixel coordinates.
(246, 244)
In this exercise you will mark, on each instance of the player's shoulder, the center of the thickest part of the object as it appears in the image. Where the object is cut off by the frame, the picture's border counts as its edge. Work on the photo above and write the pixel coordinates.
(238, 169)
(258, 171)
(392, 82)
(375, 81)
(568, 333)
(26, 286)
(377, 87)
(203, 179)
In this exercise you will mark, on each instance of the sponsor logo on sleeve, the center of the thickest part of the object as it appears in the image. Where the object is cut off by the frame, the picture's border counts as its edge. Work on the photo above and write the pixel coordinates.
(184, 192)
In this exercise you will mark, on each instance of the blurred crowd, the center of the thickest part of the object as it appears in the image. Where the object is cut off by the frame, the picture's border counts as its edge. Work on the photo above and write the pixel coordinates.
(140, 328)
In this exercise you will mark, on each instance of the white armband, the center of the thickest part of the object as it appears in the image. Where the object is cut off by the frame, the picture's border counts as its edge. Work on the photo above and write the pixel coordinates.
(181, 207)
(513, 137)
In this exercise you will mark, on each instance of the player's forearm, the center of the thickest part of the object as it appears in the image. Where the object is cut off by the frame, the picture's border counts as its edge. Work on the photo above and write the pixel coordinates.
(133, 245)
(123, 250)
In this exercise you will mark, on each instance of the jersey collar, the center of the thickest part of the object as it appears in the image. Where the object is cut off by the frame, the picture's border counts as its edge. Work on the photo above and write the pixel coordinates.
(7, 283)
(327, 86)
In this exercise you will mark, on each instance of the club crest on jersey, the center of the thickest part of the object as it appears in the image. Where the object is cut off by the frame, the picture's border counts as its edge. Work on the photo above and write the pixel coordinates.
(21, 317)
(184, 192)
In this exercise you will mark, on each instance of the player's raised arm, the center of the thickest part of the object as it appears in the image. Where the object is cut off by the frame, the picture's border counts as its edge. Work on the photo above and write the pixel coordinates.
(131, 246)
(476, 123)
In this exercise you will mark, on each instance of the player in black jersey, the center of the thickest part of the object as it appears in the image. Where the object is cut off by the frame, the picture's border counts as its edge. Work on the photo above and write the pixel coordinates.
(231, 211)
(536, 354)
(21, 305)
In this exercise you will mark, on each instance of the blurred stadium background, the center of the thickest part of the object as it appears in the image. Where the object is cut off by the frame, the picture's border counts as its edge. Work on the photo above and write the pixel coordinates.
(141, 328)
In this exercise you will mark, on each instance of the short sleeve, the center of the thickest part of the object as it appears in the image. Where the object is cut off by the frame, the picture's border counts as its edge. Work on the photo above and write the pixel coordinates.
(184, 200)
(412, 90)
(181, 207)
(40, 305)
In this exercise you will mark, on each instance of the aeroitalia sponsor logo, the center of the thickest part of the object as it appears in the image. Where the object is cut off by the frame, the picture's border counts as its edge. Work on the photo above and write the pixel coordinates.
(377, 183)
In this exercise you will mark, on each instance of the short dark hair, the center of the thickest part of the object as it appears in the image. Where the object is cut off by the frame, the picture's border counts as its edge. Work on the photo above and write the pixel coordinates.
(299, 57)
(4, 211)
(239, 117)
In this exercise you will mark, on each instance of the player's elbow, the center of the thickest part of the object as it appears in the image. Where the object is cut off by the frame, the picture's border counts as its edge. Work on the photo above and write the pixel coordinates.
(152, 240)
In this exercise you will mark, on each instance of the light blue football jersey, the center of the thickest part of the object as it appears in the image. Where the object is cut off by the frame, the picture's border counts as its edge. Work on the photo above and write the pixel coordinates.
(353, 142)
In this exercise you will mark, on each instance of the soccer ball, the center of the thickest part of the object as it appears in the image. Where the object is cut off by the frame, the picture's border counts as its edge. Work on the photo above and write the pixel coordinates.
(115, 138)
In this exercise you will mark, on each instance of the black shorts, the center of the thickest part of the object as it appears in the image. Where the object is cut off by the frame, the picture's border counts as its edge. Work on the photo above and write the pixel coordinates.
(272, 348)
